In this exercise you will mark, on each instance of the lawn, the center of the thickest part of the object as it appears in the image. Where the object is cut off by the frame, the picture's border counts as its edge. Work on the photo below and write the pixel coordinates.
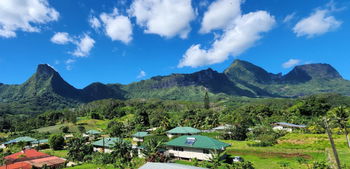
(58, 153)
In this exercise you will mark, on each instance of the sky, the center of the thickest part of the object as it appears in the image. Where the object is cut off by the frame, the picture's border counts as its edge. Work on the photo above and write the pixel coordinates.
(124, 41)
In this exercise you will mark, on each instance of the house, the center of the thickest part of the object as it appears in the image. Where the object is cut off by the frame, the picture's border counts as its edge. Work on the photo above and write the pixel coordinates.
(26, 140)
(194, 146)
(105, 145)
(39, 142)
(150, 165)
(283, 126)
(92, 134)
(32, 158)
(179, 131)
(139, 136)
(222, 127)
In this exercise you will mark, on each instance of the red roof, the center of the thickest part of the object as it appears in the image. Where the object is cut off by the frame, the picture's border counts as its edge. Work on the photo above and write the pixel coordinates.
(19, 165)
(49, 161)
(25, 155)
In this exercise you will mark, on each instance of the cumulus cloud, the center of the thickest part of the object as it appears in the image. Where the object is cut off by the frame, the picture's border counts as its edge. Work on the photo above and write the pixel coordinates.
(117, 26)
(84, 45)
(24, 15)
(141, 74)
(219, 14)
(167, 18)
(61, 38)
(94, 23)
(290, 63)
(237, 37)
(319, 22)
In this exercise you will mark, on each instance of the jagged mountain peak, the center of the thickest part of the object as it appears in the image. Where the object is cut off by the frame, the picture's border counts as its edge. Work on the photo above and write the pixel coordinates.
(45, 70)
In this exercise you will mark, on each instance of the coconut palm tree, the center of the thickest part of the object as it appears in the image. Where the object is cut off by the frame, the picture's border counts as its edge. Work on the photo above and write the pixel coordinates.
(339, 117)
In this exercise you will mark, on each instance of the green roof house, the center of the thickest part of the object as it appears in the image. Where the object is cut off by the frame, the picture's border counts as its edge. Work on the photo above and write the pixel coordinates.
(139, 136)
(182, 131)
(25, 139)
(105, 144)
(194, 146)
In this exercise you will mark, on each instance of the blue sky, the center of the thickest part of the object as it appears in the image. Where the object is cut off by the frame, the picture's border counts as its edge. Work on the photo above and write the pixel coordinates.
(114, 41)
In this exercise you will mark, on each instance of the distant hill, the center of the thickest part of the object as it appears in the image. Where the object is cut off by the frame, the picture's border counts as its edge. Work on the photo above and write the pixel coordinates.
(46, 89)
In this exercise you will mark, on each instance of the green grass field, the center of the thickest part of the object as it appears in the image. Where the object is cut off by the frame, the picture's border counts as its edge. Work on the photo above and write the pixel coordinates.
(58, 153)
(86, 122)
(290, 148)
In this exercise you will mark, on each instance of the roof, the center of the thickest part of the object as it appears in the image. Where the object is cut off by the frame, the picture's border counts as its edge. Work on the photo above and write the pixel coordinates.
(290, 124)
(26, 155)
(150, 165)
(19, 165)
(49, 161)
(224, 127)
(20, 139)
(93, 132)
(40, 141)
(140, 134)
(198, 141)
(183, 130)
(106, 142)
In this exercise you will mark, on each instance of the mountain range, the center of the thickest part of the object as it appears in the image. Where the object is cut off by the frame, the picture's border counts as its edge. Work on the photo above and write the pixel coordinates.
(47, 89)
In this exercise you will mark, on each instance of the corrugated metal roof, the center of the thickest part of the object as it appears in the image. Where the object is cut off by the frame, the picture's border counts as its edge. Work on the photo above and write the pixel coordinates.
(106, 142)
(203, 142)
(140, 134)
(183, 130)
(150, 165)
(21, 139)
(290, 124)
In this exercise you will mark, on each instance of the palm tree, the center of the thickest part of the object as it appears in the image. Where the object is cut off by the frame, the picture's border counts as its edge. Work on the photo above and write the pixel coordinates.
(340, 117)
(216, 158)
(151, 150)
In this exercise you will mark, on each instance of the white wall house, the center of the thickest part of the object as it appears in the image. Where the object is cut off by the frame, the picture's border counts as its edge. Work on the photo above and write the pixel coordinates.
(283, 126)
(194, 146)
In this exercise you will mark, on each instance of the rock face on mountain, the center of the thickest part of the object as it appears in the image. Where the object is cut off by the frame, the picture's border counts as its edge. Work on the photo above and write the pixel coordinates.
(46, 87)
(304, 73)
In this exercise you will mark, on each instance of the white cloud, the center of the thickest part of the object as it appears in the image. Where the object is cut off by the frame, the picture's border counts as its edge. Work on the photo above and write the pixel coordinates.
(84, 45)
(167, 18)
(141, 74)
(220, 13)
(237, 38)
(70, 61)
(319, 22)
(117, 27)
(61, 38)
(24, 15)
(289, 17)
(290, 63)
(94, 23)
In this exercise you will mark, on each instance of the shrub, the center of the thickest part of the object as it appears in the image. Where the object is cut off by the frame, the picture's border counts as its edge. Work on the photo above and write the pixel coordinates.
(56, 142)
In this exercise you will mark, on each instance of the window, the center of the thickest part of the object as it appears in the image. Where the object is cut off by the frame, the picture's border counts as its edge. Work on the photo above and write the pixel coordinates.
(178, 149)
(205, 151)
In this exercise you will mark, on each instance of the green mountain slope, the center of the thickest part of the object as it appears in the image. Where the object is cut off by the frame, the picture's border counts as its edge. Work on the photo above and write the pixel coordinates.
(46, 89)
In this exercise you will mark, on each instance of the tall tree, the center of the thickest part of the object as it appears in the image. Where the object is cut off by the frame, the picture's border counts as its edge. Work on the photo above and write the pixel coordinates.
(206, 100)
(340, 117)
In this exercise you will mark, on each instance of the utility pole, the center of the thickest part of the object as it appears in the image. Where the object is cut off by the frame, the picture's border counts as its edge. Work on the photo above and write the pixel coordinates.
(332, 144)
